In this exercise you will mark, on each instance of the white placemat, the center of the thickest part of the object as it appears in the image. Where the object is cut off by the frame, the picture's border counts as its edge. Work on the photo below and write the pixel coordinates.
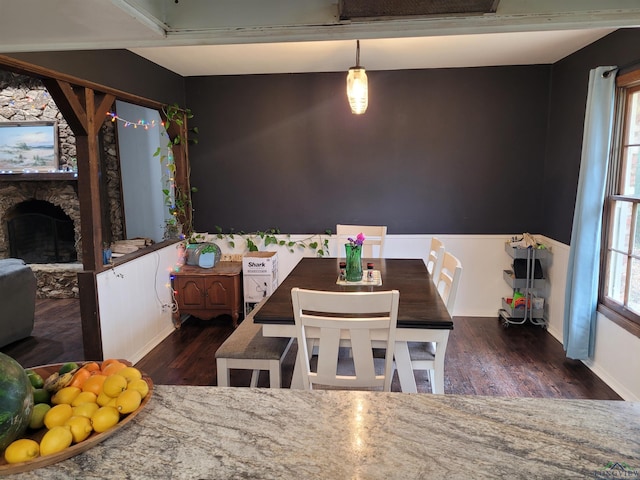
(376, 282)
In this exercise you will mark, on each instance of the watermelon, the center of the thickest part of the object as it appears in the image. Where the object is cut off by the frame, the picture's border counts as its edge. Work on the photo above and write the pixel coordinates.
(16, 400)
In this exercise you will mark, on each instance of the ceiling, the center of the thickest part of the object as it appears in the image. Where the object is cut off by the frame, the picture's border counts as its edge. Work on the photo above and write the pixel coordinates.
(225, 37)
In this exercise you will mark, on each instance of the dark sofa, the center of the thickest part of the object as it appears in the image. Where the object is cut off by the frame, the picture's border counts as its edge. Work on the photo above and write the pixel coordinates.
(17, 300)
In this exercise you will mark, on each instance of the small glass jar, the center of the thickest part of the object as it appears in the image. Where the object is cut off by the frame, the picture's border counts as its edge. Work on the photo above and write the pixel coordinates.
(343, 271)
(369, 272)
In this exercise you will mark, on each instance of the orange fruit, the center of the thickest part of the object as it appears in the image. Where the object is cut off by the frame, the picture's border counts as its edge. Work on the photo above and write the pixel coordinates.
(113, 367)
(91, 366)
(79, 377)
(94, 383)
(107, 362)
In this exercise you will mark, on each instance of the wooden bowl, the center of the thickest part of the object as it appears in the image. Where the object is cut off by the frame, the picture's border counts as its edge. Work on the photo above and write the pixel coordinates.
(93, 439)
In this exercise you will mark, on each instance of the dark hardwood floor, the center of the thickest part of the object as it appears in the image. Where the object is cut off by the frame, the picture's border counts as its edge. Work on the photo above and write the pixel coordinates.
(56, 336)
(483, 357)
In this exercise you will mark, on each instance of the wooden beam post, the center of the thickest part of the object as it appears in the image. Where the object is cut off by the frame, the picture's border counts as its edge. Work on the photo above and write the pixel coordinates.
(181, 161)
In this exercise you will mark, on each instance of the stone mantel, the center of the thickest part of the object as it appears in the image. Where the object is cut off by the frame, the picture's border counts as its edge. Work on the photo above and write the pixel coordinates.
(38, 176)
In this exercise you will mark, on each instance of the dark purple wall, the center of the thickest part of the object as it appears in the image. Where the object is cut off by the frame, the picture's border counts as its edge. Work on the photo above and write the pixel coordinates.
(566, 124)
(438, 151)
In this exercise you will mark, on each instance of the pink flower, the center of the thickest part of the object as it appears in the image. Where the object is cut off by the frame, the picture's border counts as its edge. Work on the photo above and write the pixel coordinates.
(358, 241)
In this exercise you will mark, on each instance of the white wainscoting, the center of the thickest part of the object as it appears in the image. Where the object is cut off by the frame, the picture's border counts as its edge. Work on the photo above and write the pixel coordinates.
(617, 359)
(131, 298)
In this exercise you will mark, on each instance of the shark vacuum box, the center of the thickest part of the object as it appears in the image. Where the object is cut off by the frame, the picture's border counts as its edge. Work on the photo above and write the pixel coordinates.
(259, 277)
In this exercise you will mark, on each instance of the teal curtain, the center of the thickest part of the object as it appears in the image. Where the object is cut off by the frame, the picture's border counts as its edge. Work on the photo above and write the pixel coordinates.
(581, 294)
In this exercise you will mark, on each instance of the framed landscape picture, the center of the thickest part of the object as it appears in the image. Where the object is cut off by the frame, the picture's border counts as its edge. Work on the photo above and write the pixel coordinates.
(28, 146)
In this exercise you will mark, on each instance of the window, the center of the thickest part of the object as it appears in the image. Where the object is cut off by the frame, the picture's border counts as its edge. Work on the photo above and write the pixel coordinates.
(620, 283)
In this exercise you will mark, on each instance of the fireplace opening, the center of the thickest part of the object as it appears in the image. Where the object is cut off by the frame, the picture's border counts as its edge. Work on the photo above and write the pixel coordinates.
(40, 232)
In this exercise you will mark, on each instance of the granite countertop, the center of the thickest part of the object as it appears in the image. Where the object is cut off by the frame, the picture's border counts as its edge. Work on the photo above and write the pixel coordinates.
(188, 432)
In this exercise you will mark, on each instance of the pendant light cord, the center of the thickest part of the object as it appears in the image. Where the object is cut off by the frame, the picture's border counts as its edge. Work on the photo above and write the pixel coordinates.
(358, 53)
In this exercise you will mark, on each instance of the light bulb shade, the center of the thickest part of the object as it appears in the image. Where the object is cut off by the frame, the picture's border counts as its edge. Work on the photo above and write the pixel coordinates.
(357, 90)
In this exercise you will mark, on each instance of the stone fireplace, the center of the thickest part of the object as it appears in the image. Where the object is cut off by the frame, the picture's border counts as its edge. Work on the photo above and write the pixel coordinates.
(41, 211)
(40, 232)
(43, 218)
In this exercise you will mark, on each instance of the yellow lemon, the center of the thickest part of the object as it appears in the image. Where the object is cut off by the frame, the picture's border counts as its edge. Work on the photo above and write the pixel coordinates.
(55, 440)
(103, 399)
(85, 409)
(57, 415)
(130, 373)
(105, 418)
(21, 450)
(114, 385)
(65, 395)
(80, 428)
(140, 385)
(128, 401)
(84, 397)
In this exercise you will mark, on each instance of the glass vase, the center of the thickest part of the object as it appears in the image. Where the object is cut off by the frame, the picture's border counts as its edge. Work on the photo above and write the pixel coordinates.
(354, 262)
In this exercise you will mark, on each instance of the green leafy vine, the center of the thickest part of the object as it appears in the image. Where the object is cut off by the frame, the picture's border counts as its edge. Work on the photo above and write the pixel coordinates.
(177, 200)
(272, 236)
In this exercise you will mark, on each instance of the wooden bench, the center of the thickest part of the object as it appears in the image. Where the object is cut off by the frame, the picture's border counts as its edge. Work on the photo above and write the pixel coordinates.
(246, 348)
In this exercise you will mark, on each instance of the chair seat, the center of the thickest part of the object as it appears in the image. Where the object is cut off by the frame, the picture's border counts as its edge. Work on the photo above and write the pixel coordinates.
(248, 342)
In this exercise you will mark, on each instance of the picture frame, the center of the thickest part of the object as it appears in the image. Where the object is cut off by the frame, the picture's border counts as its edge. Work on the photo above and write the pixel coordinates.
(28, 147)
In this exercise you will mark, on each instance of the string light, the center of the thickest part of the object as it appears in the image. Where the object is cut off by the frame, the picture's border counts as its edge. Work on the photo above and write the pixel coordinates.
(128, 123)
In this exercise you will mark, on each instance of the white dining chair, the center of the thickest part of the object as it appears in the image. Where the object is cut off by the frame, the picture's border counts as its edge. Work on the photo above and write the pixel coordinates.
(435, 258)
(374, 237)
(355, 319)
(448, 280)
(423, 354)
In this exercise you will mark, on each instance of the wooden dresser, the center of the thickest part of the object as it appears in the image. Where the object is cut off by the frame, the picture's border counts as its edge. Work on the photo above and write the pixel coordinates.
(207, 293)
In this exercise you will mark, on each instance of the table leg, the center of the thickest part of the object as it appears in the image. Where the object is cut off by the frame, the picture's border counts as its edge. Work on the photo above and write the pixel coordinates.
(403, 366)
(438, 371)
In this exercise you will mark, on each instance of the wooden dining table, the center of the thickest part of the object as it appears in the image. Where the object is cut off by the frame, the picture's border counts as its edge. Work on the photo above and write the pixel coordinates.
(422, 315)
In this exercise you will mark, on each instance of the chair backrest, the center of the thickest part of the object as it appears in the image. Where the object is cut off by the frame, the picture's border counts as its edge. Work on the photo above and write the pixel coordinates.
(355, 318)
(373, 235)
(435, 258)
(449, 279)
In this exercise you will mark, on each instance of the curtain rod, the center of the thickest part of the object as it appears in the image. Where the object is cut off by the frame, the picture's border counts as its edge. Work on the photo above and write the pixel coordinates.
(624, 67)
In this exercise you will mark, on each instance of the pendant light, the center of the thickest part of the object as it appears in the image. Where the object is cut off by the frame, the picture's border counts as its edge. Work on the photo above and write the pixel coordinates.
(357, 88)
